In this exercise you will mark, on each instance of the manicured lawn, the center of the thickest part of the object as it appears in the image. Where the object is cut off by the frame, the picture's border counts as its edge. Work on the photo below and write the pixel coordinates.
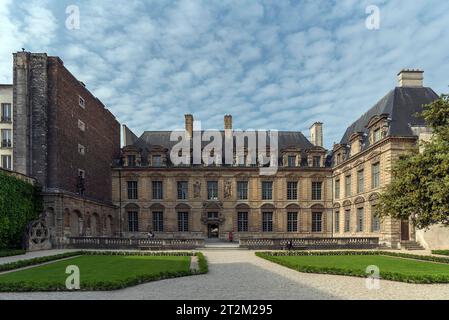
(97, 272)
(392, 268)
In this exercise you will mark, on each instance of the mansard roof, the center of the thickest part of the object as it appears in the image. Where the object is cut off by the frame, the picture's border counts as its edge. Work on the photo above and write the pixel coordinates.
(400, 106)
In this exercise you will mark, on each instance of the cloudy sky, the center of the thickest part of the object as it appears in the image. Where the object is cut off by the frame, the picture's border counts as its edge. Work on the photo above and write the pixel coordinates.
(271, 64)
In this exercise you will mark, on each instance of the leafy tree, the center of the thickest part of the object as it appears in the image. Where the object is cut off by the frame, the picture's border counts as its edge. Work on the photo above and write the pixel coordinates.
(420, 182)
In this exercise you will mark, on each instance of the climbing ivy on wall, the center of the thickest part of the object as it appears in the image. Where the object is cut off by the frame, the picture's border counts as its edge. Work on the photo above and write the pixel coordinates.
(20, 203)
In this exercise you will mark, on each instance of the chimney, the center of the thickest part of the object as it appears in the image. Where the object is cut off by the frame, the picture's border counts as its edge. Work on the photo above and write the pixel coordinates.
(228, 122)
(411, 78)
(316, 134)
(189, 125)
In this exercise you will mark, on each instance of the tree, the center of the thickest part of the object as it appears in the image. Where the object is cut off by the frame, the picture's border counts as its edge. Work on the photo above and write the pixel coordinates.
(420, 184)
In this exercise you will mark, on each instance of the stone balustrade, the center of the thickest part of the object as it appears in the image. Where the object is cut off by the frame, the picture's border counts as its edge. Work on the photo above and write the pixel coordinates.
(133, 243)
(310, 243)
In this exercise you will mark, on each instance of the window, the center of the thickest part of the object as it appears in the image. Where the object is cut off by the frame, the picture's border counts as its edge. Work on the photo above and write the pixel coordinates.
(82, 173)
(316, 190)
(133, 221)
(131, 161)
(81, 125)
(242, 221)
(291, 161)
(375, 220)
(156, 161)
(360, 219)
(376, 135)
(317, 222)
(212, 190)
(6, 162)
(267, 221)
(347, 186)
(292, 190)
(183, 221)
(157, 189)
(6, 138)
(212, 215)
(158, 221)
(242, 190)
(292, 221)
(337, 189)
(81, 149)
(267, 190)
(183, 188)
(360, 181)
(347, 220)
(6, 112)
(337, 221)
(317, 161)
(82, 102)
(132, 190)
(375, 179)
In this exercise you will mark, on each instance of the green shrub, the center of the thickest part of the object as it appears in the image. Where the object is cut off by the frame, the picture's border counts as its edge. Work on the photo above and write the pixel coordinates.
(31, 262)
(441, 252)
(202, 263)
(20, 203)
(8, 253)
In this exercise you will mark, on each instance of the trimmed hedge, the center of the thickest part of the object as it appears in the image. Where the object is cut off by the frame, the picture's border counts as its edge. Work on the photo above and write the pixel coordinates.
(441, 252)
(20, 203)
(98, 285)
(420, 279)
(9, 253)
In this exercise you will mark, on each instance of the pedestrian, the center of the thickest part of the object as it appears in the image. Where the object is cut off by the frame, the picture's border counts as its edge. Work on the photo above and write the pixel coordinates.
(230, 237)
(150, 235)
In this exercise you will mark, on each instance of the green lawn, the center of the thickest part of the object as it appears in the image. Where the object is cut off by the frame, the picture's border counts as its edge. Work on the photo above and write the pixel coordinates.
(392, 268)
(97, 272)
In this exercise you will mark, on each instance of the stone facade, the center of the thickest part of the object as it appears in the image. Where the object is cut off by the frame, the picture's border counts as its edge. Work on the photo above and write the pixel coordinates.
(66, 139)
(6, 127)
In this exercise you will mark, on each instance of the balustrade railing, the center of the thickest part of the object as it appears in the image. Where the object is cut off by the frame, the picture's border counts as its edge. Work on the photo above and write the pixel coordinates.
(310, 243)
(133, 243)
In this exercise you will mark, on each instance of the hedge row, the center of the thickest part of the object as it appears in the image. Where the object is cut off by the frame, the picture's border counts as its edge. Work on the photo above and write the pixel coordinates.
(421, 279)
(441, 252)
(34, 261)
(9, 253)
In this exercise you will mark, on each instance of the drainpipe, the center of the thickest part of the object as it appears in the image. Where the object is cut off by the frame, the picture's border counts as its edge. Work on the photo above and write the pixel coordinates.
(120, 202)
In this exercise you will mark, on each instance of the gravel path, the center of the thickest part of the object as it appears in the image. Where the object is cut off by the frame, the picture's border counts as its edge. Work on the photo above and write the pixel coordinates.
(239, 274)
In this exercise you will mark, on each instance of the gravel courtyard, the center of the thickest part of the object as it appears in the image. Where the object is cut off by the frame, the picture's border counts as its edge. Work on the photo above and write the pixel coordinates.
(239, 274)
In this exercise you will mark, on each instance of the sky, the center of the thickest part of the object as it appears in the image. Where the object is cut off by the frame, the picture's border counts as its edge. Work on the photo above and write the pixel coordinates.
(271, 64)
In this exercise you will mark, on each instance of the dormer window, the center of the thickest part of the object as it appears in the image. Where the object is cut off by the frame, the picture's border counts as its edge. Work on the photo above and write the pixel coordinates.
(317, 161)
(131, 161)
(81, 102)
(291, 161)
(156, 161)
(377, 135)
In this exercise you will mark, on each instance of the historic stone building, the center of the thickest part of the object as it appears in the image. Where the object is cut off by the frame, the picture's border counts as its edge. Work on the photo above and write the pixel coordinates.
(66, 139)
(6, 127)
(313, 194)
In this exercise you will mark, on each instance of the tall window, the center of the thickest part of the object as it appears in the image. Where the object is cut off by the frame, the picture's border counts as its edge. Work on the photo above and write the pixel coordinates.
(132, 190)
(360, 219)
(337, 221)
(183, 221)
(376, 135)
(267, 190)
(317, 161)
(157, 189)
(242, 190)
(158, 221)
(133, 221)
(375, 179)
(267, 221)
(183, 188)
(337, 189)
(347, 186)
(317, 222)
(360, 181)
(131, 161)
(347, 220)
(292, 190)
(292, 221)
(375, 220)
(212, 190)
(316, 190)
(291, 161)
(6, 162)
(242, 221)
(156, 161)
(6, 112)
(6, 138)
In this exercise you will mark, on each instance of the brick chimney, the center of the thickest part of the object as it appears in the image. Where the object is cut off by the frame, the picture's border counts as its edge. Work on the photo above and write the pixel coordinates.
(411, 78)
(228, 122)
(316, 134)
(189, 125)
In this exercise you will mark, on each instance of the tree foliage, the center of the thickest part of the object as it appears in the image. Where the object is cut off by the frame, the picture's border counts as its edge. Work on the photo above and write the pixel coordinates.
(20, 203)
(420, 183)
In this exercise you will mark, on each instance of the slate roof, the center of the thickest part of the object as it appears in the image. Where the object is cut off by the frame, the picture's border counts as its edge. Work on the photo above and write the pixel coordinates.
(401, 105)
